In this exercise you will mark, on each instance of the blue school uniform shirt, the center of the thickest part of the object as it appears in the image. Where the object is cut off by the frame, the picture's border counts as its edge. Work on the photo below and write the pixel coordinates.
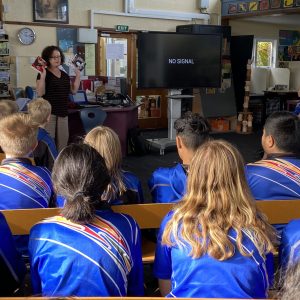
(168, 184)
(22, 186)
(102, 258)
(289, 250)
(276, 178)
(12, 267)
(206, 277)
(133, 194)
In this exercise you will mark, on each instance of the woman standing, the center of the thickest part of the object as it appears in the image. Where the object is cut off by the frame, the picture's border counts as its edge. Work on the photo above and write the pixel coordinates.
(215, 243)
(54, 85)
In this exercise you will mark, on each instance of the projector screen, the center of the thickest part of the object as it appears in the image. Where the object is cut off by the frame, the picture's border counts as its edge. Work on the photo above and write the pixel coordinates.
(177, 60)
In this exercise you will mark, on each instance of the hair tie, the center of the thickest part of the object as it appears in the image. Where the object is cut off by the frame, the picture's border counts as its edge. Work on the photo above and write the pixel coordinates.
(79, 194)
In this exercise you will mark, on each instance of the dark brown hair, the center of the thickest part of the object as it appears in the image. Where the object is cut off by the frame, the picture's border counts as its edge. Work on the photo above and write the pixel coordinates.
(80, 176)
(48, 51)
(193, 129)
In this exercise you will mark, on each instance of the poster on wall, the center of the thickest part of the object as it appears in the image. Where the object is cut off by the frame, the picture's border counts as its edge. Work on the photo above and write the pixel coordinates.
(289, 45)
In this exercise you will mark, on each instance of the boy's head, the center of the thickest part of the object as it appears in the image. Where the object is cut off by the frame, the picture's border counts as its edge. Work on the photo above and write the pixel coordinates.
(39, 110)
(18, 135)
(192, 130)
(281, 133)
(8, 107)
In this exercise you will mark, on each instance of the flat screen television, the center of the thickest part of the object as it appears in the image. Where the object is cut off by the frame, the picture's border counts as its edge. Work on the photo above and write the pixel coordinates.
(179, 60)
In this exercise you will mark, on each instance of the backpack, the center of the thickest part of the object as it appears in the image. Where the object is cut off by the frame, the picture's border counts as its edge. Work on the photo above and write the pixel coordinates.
(136, 142)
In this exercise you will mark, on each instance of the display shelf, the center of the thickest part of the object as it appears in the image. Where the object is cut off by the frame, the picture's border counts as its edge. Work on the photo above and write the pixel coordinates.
(4, 67)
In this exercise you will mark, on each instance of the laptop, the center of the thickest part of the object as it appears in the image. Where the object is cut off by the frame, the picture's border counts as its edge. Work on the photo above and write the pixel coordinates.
(81, 99)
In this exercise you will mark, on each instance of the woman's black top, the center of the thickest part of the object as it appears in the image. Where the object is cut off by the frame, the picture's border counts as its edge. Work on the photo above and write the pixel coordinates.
(57, 92)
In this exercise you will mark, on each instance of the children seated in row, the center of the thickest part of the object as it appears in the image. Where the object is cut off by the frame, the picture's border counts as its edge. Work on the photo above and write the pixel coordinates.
(88, 250)
(215, 243)
(169, 184)
(125, 187)
(22, 185)
(12, 267)
(45, 153)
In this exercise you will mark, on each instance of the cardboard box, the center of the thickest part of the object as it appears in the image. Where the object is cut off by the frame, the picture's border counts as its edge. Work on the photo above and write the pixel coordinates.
(220, 124)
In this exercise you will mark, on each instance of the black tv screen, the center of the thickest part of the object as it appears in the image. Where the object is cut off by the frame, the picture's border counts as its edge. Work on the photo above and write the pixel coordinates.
(177, 60)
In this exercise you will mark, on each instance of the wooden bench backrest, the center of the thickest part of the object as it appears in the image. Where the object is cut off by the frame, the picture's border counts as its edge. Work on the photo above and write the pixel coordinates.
(147, 215)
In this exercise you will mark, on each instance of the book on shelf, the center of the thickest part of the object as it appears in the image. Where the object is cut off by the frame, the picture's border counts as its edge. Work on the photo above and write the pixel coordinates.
(78, 62)
(39, 64)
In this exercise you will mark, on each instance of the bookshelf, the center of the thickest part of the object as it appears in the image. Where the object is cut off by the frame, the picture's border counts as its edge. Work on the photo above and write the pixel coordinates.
(4, 66)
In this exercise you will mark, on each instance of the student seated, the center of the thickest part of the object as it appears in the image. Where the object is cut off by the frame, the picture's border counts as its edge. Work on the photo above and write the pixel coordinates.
(22, 185)
(277, 176)
(169, 184)
(12, 267)
(215, 243)
(7, 107)
(125, 187)
(290, 289)
(88, 250)
(289, 250)
(45, 153)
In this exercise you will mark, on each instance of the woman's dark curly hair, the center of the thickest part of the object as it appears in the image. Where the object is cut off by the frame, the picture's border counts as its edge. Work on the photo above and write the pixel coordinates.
(48, 51)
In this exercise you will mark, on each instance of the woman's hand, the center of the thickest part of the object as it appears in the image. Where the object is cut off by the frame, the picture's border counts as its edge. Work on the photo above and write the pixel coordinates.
(43, 73)
(77, 72)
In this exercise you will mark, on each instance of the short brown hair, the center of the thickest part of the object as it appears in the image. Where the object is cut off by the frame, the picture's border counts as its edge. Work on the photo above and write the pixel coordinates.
(7, 107)
(18, 135)
(39, 110)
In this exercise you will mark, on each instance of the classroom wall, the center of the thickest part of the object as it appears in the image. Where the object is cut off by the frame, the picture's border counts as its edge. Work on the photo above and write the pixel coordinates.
(21, 11)
(259, 30)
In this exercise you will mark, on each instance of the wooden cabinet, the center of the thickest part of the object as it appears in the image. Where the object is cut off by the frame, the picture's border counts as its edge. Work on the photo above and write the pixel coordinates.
(152, 111)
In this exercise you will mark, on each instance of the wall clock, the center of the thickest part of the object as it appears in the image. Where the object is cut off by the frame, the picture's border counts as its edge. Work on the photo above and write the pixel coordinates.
(26, 36)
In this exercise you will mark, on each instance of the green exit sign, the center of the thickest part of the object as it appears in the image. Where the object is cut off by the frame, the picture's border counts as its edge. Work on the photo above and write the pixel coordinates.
(122, 28)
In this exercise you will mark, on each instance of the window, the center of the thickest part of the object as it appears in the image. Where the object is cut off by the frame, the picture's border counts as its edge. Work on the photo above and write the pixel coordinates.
(265, 53)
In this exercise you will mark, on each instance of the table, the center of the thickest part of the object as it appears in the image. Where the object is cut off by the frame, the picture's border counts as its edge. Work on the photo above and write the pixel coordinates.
(120, 119)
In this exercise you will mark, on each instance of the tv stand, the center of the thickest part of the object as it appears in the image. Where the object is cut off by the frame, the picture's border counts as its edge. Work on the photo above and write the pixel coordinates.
(174, 113)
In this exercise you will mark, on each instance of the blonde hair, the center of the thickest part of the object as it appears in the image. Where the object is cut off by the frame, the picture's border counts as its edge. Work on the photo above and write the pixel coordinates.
(8, 107)
(107, 143)
(217, 199)
(39, 110)
(18, 135)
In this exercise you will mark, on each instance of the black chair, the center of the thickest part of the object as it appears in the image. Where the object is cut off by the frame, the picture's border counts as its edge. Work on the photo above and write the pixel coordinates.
(30, 92)
(92, 117)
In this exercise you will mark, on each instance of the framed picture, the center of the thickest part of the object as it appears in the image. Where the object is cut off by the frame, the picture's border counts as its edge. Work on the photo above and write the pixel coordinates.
(50, 11)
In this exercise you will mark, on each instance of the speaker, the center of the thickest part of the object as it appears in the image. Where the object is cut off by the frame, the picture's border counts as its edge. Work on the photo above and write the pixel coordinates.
(204, 29)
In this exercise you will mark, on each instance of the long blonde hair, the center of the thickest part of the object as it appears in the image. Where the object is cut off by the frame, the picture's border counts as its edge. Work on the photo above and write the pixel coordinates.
(217, 199)
(107, 143)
